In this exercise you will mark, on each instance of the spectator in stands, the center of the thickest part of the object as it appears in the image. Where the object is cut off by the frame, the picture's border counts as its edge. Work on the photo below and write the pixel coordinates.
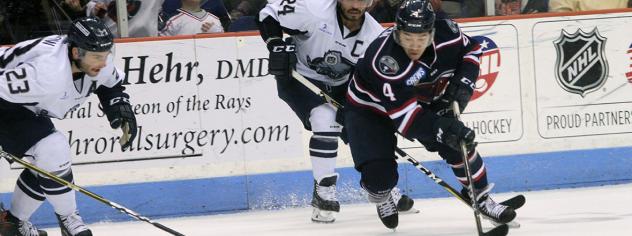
(242, 13)
(74, 9)
(243, 23)
(215, 7)
(536, 6)
(508, 7)
(473, 8)
(384, 10)
(459, 8)
(238, 8)
(585, 5)
(191, 19)
(24, 20)
(142, 15)
(4, 36)
(453, 8)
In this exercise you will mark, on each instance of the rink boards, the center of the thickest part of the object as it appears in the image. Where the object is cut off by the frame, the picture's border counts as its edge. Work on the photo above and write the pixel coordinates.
(551, 110)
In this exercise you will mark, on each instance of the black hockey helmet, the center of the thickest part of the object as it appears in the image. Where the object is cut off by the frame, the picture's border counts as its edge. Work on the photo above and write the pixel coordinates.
(415, 16)
(90, 34)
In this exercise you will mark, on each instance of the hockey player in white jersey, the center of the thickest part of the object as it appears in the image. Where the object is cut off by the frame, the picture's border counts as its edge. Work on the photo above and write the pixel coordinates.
(46, 78)
(329, 37)
(191, 19)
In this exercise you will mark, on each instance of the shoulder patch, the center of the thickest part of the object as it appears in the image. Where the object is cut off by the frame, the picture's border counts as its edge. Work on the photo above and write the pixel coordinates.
(388, 65)
(452, 25)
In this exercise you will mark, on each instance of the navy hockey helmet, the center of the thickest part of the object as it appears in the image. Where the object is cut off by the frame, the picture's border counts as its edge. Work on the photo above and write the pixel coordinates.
(415, 16)
(90, 34)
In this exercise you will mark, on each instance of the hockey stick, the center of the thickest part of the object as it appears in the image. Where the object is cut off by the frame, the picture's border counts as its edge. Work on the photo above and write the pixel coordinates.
(61, 181)
(500, 230)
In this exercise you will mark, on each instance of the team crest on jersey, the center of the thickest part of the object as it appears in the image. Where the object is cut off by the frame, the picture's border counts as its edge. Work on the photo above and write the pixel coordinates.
(332, 65)
(489, 66)
(388, 65)
(581, 65)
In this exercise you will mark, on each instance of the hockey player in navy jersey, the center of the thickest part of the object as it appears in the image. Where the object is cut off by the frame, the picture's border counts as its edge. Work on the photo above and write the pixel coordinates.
(405, 84)
(46, 78)
(329, 37)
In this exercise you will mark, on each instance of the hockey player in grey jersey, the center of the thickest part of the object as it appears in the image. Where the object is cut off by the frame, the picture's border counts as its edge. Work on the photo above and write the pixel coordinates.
(46, 78)
(329, 37)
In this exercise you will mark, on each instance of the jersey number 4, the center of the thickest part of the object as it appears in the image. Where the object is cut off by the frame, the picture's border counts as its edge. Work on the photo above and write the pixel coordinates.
(388, 92)
(17, 82)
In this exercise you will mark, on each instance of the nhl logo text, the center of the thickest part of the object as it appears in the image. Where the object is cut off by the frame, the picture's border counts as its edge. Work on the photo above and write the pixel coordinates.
(581, 65)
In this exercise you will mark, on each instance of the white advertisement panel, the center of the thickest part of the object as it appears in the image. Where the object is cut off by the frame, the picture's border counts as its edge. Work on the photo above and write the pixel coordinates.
(580, 68)
(495, 110)
(209, 98)
(159, 82)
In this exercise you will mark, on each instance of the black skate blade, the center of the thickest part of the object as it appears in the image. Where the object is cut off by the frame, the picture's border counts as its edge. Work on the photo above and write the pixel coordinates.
(501, 230)
(515, 202)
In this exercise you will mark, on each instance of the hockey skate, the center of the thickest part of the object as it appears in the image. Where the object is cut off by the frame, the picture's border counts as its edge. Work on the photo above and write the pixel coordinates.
(324, 200)
(387, 211)
(72, 225)
(505, 210)
(491, 210)
(404, 203)
(12, 226)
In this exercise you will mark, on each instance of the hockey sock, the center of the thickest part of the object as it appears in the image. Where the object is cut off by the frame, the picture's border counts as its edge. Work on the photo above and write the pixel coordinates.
(27, 196)
(61, 197)
(323, 150)
(477, 167)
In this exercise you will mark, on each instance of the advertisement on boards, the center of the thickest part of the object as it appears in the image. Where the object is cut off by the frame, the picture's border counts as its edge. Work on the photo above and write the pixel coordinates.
(581, 69)
(208, 99)
(495, 110)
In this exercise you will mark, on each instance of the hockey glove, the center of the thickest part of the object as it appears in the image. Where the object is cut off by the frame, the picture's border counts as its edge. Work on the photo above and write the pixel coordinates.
(459, 90)
(119, 112)
(452, 132)
(282, 58)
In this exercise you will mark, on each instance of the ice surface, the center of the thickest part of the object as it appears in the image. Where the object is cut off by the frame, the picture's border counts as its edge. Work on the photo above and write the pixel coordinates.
(602, 211)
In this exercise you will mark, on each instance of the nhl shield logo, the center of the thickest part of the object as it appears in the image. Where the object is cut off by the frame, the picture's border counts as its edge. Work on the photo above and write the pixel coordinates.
(581, 65)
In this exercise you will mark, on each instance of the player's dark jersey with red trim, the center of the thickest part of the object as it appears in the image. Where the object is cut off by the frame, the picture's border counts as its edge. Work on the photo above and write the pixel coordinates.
(387, 82)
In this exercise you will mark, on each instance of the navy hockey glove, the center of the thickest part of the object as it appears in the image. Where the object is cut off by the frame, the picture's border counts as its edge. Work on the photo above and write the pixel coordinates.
(452, 132)
(460, 90)
(119, 112)
(282, 58)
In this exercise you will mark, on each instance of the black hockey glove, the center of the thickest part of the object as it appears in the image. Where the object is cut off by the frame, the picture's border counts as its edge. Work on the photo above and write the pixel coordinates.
(119, 112)
(460, 90)
(282, 58)
(452, 132)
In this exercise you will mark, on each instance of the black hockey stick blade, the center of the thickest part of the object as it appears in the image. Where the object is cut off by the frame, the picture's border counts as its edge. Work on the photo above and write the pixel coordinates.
(500, 230)
(515, 202)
